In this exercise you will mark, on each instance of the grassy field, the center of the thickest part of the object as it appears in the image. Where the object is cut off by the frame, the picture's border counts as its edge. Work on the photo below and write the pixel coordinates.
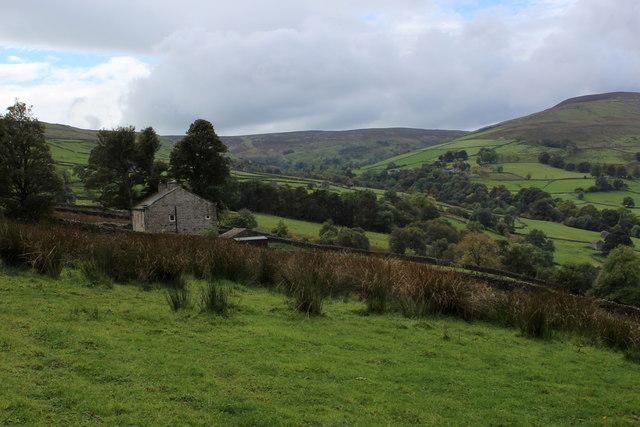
(75, 355)
(266, 223)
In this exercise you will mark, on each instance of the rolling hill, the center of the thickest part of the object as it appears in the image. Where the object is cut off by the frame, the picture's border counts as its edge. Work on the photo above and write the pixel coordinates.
(71, 146)
(592, 121)
(334, 148)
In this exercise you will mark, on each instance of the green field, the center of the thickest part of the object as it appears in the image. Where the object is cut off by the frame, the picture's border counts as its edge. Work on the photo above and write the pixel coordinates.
(75, 355)
(266, 223)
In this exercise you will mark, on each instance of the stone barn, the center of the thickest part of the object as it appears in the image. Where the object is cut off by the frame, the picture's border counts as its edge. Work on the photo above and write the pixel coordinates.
(174, 210)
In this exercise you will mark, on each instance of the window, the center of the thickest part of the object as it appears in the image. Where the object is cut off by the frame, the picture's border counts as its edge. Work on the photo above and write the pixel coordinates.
(172, 218)
(207, 217)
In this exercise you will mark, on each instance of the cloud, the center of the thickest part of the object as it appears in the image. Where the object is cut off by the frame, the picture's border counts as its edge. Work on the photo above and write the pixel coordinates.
(21, 72)
(422, 67)
(253, 66)
(88, 97)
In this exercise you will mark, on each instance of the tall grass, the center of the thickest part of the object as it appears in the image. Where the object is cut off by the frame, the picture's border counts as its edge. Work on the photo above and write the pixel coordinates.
(214, 297)
(308, 279)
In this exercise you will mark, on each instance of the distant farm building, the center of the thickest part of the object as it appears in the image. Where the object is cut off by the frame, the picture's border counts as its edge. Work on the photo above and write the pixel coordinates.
(174, 210)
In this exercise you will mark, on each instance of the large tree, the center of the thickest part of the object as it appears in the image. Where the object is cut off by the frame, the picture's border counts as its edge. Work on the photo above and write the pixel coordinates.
(29, 184)
(198, 159)
(122, 166)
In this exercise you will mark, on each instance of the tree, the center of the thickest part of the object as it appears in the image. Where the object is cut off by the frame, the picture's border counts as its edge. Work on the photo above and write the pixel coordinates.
(628, 202)
(352, 238)
(487, 155)
(478, 249)
(575, 278)
(619, 278)
(615, 239)
(526, 259)
(29, 184)
(539, 238)
(544, 157)
(198, 159)
(151, 169)
(119, 163)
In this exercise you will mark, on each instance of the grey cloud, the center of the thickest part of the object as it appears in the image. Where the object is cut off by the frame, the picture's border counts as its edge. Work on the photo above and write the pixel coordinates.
(254, 66)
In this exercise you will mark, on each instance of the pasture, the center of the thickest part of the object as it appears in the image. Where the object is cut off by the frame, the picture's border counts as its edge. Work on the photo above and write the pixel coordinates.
(76, 355)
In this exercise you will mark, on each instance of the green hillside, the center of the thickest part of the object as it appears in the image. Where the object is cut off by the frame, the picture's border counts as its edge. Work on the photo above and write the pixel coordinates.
(71, 146)
(603, 121)
(597, 129)
(333, 148)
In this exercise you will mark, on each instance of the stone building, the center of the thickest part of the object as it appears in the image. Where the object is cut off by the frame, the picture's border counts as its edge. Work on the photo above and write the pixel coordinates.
(174, 210)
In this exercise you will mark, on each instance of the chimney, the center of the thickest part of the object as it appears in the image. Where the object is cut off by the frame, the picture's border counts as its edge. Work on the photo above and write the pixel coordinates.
(166, 186)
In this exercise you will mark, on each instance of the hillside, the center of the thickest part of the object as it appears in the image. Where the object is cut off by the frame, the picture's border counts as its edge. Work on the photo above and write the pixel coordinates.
(333, 148)
(591, 122)
(71, 146)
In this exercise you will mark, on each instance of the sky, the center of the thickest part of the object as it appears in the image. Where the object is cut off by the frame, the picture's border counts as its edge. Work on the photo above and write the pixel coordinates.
(257, 66)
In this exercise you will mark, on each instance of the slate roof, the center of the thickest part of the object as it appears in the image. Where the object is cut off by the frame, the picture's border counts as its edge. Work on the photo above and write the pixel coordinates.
(153, 198)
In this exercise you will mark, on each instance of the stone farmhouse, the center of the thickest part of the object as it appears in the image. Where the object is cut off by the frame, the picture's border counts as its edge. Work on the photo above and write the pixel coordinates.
(174, 210)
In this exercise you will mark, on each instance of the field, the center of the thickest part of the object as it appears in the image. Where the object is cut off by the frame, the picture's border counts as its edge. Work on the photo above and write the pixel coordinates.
(77, 355)
(266, 223)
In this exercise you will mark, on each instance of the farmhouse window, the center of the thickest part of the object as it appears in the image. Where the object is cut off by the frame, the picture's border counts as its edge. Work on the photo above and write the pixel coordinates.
(172, 218)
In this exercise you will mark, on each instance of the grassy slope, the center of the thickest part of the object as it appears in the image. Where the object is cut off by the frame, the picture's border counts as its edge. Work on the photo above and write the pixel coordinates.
(266, 223)
(74, 355)
(314, 147)
(72, 145)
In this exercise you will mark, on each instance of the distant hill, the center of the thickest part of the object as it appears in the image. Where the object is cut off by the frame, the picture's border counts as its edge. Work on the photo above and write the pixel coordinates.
(71, 146)
(333, 148)
(592, 121)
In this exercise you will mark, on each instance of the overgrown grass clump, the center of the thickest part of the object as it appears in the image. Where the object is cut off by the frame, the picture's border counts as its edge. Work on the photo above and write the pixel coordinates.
(308, 279)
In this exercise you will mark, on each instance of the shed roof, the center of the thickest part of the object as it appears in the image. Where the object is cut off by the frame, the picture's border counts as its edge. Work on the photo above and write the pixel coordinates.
(250, 238)
(235, 232)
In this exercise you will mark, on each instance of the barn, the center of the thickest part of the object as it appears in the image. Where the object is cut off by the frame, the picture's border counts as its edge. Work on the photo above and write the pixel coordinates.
(174, 210)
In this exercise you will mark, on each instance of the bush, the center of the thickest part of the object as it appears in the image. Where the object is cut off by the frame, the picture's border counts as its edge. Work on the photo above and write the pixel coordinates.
(280, 230)
(243, 219)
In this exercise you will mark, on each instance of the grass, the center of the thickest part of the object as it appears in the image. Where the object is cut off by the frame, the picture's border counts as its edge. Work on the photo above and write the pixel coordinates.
(266, 223)
(72, 355)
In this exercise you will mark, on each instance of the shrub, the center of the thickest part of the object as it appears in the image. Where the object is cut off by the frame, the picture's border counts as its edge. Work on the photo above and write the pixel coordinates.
(280, 230)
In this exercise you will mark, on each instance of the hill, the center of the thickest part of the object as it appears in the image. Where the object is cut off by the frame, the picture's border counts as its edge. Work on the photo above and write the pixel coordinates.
(599, 121)
(333, 148)
(71, 146)
(602, 128)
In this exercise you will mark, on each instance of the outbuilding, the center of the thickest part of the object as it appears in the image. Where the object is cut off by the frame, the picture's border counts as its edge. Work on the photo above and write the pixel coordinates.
(174, 210)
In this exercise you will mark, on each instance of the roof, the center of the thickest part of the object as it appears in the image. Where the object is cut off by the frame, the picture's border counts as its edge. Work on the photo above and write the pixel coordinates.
(153, 198)
(235, 232)
(250, 238)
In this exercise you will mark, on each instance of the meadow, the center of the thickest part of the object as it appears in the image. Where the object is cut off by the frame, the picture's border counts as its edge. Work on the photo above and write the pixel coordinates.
(310, 230)
(72, 354)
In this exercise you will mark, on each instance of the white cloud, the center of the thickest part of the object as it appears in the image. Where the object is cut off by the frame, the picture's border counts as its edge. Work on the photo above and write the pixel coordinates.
(86, 97)
(22, 72)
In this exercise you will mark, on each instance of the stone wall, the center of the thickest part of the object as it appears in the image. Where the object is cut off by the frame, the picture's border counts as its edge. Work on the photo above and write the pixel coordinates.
(180, 212)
